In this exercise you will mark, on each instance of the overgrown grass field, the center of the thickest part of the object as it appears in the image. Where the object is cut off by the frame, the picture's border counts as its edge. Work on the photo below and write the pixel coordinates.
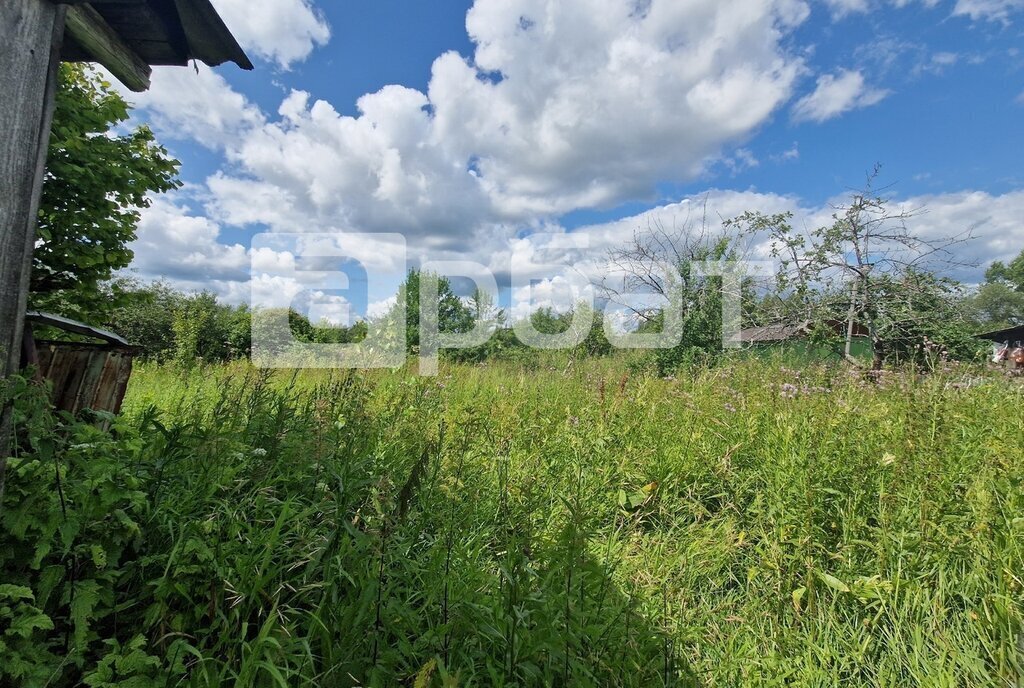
(566, 525)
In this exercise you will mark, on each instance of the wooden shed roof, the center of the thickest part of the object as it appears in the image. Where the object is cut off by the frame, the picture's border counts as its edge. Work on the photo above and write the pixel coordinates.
(69, 325)
(149, 32)
(1009, 334)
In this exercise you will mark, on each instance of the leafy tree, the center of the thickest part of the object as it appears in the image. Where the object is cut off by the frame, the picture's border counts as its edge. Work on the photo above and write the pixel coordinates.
(546, 321)
(144, 315)
(503, 339)
(164, 323)
(272, 333)
(999, 302)
(659, 262)
(997, 305)
(866, 267)
(238, 335)
(505, 344)
(1011, 274)
(596, 342)
(453, 315)
(924, 317)
(326, 332)
(195, 331)
(167, 324)
(481, 305)
(96, 182)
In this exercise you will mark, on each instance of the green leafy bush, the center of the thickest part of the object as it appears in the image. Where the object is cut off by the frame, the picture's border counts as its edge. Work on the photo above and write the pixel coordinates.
(70, 535)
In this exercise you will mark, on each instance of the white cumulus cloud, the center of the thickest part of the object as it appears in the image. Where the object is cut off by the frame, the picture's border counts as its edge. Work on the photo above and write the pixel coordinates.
(564, 104)
(281, 31)
(975, 10)
(195, 104)
(181, 246)
(992, 10)
(841, 8)
(835, 94)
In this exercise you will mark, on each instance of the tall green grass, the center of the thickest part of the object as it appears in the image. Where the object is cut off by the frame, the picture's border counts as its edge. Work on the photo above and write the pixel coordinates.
(576, 525)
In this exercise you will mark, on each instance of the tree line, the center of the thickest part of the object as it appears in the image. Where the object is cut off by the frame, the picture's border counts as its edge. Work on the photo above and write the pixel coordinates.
(916, 313)
(868, 266)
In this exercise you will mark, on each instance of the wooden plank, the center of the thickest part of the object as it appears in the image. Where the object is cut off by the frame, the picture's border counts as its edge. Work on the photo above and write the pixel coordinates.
(86, 392)
(105, 46)
(30, 39)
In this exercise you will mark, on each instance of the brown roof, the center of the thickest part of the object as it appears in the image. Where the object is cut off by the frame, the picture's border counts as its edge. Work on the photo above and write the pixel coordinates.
(166, 32)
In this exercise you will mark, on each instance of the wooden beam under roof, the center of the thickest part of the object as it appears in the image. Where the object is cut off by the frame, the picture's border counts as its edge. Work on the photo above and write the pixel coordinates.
(164, 32)
(95, 37)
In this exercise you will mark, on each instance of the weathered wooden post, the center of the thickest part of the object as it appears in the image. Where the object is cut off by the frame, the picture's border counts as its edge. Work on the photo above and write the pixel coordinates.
(124, 36)
(31, 33)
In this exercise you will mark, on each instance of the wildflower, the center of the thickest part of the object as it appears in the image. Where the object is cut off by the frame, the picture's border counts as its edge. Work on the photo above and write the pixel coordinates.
(788, 391)
(730, 408)
(259, 452)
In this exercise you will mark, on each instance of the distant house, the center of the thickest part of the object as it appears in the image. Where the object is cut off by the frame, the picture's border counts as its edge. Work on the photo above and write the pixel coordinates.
(1011, 337)
(1007, 335)
(795, 339)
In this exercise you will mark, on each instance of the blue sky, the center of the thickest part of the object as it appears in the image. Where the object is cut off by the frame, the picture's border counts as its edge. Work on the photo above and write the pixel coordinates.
(468, 127)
